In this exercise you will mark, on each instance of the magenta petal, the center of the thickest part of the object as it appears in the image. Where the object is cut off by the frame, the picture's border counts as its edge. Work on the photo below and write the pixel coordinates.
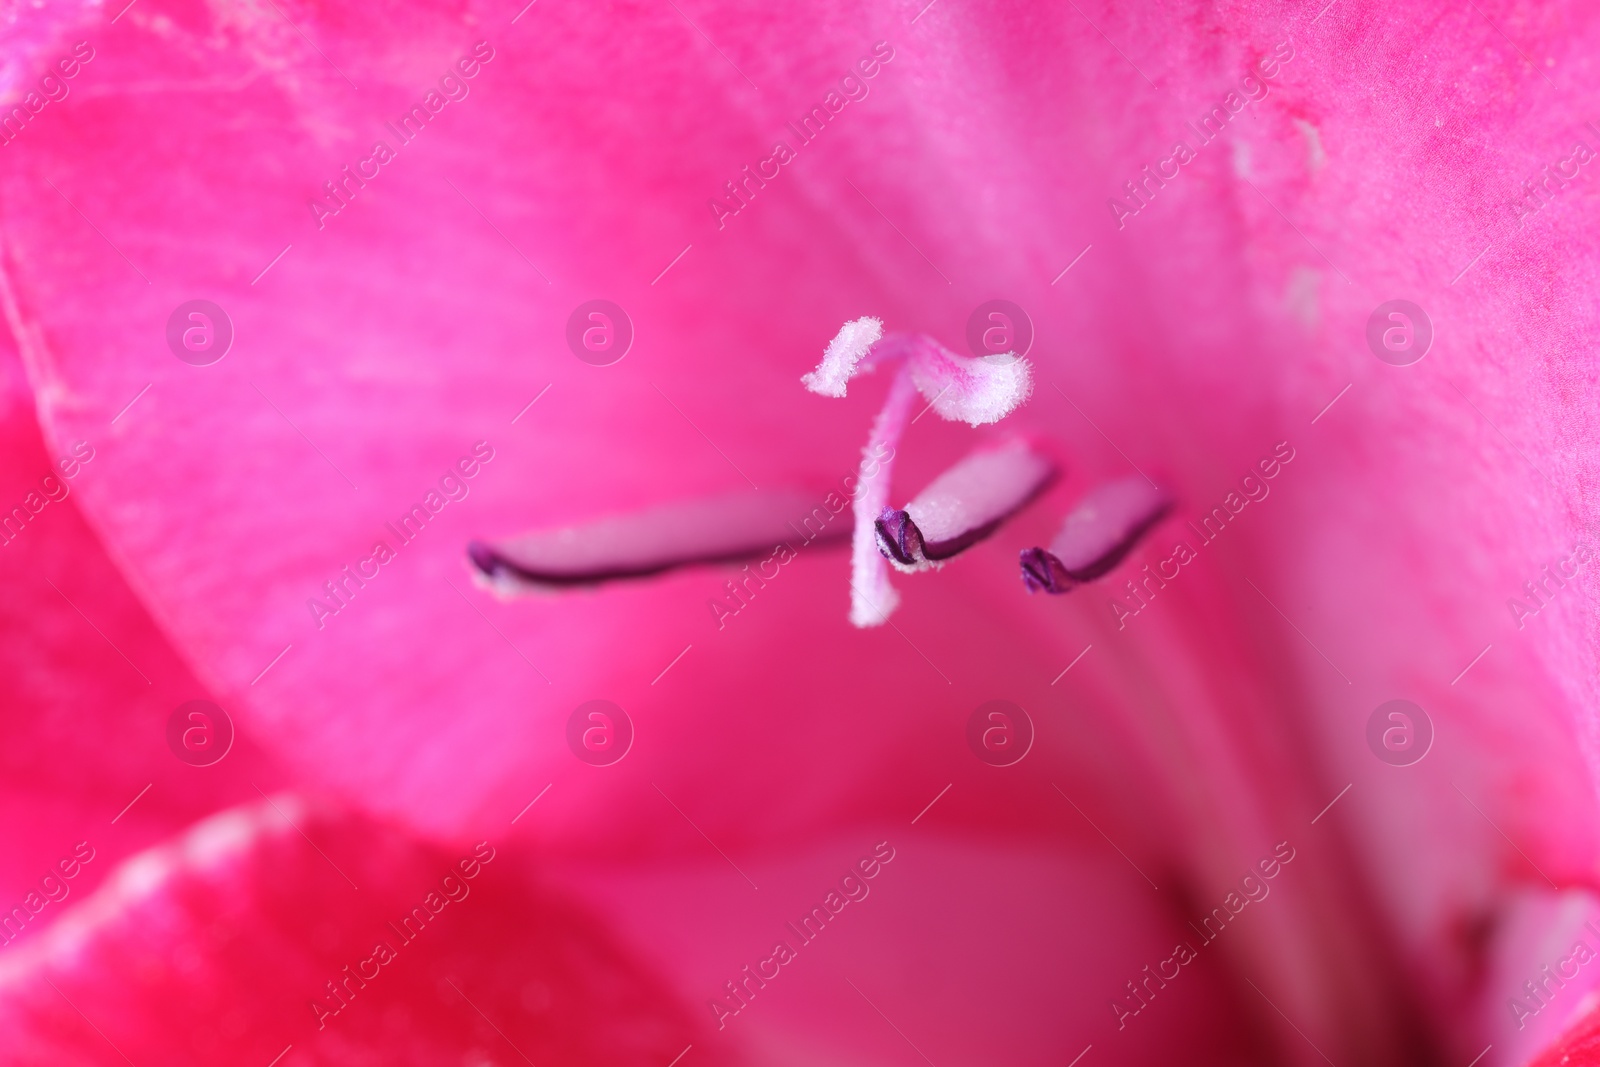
(1099, 532)
(963, 505)
(283, 924)
(721, 529)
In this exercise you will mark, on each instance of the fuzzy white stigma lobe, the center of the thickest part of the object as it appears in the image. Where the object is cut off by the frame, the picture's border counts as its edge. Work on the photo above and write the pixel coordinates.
(843, 355)
(978, 391)
(975, 391)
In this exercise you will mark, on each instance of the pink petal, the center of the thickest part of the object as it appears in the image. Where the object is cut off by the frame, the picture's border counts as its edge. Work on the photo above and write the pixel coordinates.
(1578, 1046)
(256, 931)
(90, 680)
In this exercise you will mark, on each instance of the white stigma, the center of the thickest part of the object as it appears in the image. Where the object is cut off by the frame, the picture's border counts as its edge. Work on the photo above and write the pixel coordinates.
(844, 353)
(975, 391)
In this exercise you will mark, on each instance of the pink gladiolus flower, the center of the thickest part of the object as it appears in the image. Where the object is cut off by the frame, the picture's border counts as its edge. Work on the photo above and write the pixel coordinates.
(431, 437)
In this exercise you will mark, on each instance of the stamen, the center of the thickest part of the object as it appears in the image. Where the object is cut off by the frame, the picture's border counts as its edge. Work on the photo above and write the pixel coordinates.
(723, 529)
(962, 506)
(975, 391)
(1097, 535)
(899, 541)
